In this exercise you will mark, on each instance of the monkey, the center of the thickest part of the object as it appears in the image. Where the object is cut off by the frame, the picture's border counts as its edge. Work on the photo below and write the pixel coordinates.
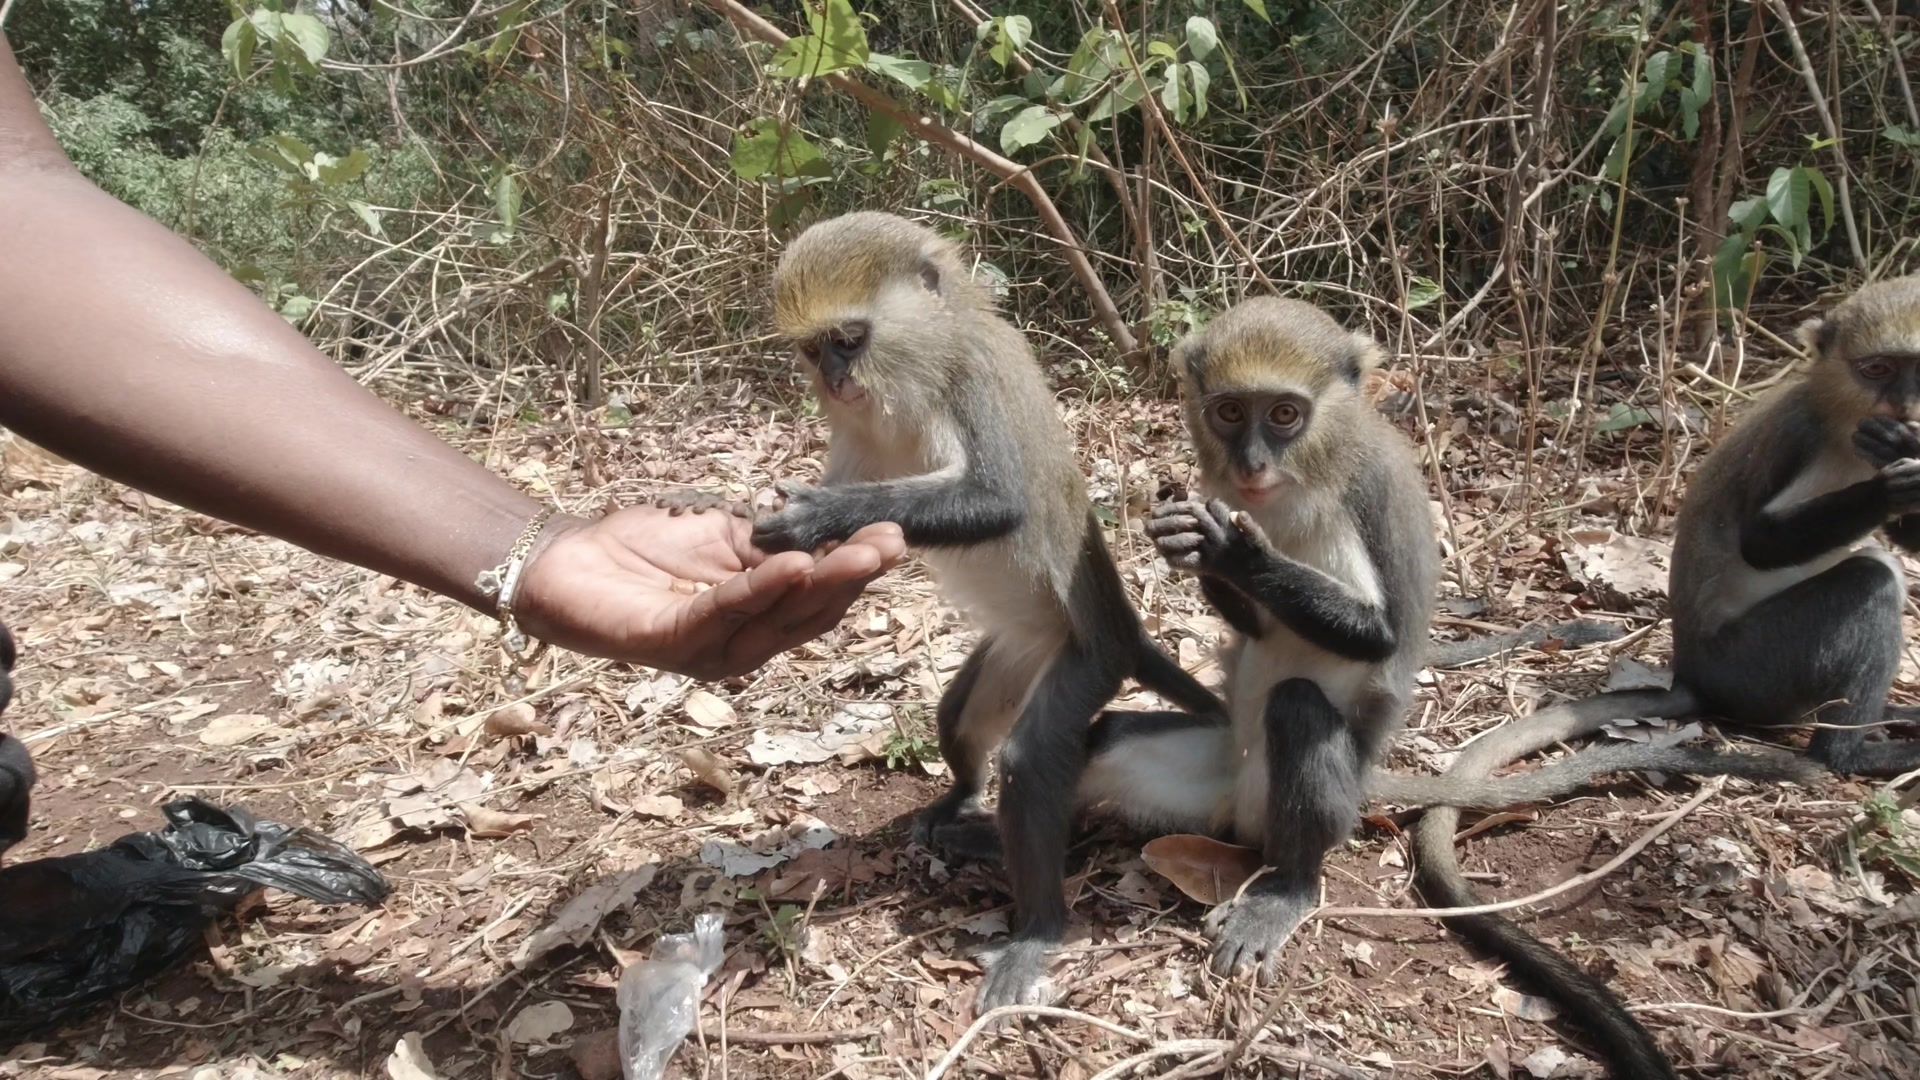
(1316, 549)
(1783, 603)
(941, 421)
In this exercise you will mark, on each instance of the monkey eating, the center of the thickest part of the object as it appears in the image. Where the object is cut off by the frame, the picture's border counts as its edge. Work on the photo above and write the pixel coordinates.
(1784, 604)
(1317, 550)
(941, 421)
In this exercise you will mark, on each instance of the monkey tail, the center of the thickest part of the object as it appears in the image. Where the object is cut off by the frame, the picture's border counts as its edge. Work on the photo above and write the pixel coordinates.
(1158, 672)
(1628, 1047)
(1580, 632)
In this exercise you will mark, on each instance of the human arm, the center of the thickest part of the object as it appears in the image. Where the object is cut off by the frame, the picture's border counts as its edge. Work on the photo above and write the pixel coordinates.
(126, 351)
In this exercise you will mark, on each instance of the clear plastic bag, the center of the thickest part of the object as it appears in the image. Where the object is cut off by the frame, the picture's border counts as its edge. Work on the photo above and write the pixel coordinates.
(660, 997)
(79, 928)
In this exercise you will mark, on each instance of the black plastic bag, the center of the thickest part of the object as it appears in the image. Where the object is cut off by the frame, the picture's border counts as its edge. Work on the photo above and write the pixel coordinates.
(79, 928)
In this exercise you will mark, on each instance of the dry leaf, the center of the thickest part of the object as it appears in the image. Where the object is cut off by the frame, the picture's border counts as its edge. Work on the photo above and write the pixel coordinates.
(431, 712)
(708, 711)
(659, 806)
(1204, 868)
(1545, 1062)
(582, 915)
(515, 719)
(1525, 1006)
(709, 769)
(540, 1022)
(1494, 821)
(1629, 565)
(597, 1056)
(237, 728)
(486, 823)
(409, 1060)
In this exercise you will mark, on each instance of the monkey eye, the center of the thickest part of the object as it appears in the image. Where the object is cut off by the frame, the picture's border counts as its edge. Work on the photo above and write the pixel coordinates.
(1875, 370)
(1230, 412)
(1284, 415)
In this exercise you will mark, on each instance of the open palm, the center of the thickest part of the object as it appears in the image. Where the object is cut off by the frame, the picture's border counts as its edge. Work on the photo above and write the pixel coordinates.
(689, 592)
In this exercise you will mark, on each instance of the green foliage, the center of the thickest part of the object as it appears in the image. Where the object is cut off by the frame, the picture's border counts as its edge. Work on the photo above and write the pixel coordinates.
(1785, 211)
(910, 749)
(1887, 837)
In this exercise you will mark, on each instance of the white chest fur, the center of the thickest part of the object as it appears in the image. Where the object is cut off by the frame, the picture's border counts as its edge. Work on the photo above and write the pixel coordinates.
(1320, 534)
(1740, 586)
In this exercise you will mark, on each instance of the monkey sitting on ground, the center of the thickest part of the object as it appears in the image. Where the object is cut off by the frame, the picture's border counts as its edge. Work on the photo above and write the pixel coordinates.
(1784, 605)
(942, 422)
(1318, 551)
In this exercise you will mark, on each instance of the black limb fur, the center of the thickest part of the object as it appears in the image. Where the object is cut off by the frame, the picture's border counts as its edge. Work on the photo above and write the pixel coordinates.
(1575, 634)
(1040, 766)
(954, 823)
(984, 499)
(1160, 673)
(1773, 540)
(1314, 791)
(1833, 640)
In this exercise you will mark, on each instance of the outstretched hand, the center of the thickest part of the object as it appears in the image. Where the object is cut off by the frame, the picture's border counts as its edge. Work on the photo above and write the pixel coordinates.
(628, 586)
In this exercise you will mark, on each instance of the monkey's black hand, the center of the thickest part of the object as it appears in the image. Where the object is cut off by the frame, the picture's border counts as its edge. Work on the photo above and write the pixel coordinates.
(676, 503)
(1903, 487)
(1250, 932)
(1206, 538)
(808, 522)
(1883, 440)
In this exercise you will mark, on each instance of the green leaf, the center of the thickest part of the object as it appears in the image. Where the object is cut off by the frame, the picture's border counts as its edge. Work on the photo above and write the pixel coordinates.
(309, 33)
(1423, 292)
(1118, 100)
(1202, 82)
(1174, 95)
(1259, 8)
(1028, 127)
(1749, 214)
(882, 130)
(1660, 69)
(1896, 134)
(248, 274)
(1202, 38)
(237, 45)
(506, 199)
(297, 307)
(512, 17)
(768, 147)
(1788, 197)
(346, 169)
(1623, 416)
(1702, 74)
(912, 74)
(1014, 31)
(1825, 191)
(1087, 66)
(1162, 49)
(366, 214)
(837, 42)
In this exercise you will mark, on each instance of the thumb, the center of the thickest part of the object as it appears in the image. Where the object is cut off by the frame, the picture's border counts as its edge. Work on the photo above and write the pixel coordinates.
(751, 593)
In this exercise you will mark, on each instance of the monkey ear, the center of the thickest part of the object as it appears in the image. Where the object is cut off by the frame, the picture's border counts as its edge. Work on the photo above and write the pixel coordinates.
(1366, 356)
(1191, 358)
(930, 277)
(1819, 336)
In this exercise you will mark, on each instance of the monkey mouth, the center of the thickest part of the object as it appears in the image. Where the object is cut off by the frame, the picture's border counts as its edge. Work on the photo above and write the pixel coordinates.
(846, 391)
(1255, 494)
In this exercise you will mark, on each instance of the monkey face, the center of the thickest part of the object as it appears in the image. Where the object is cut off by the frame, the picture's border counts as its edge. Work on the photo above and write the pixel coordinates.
(833, 353)
(1892, 380)
(1254, 430)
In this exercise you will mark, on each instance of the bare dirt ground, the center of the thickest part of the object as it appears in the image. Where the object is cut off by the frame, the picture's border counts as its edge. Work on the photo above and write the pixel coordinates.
(165, 654)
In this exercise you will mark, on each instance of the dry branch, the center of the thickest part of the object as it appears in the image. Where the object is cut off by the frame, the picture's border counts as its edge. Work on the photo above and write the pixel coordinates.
(1015, 174)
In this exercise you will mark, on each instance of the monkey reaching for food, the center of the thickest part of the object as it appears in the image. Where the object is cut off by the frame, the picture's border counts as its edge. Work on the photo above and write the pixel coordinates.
(942, 422)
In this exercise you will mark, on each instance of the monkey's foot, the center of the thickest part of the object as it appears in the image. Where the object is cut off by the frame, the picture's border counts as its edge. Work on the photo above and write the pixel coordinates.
(676, 503)
(1017, 974)
(1250, 932)
(956, 825)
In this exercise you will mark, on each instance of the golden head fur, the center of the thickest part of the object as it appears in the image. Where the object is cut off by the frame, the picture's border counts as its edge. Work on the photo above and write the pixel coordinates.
(899, 277)
(1269, 345)
(1881, 319)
